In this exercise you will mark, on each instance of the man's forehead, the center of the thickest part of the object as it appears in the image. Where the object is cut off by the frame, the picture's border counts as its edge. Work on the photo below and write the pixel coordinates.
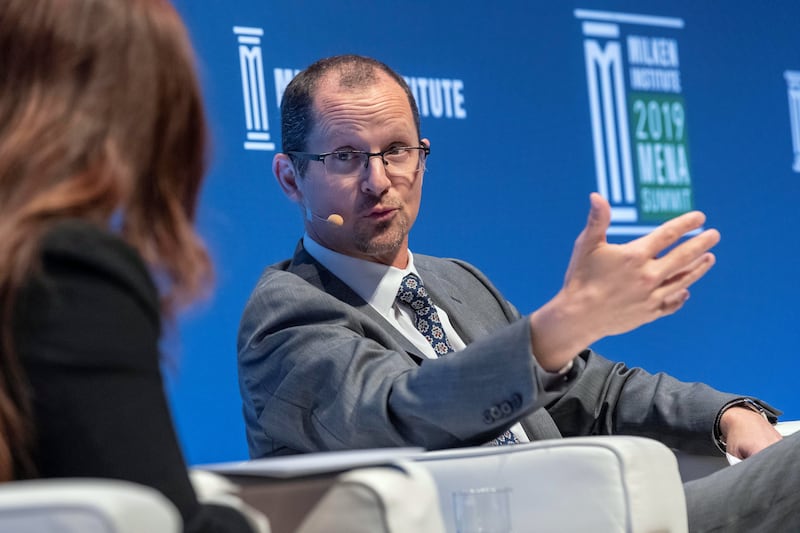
(337, 82)
(331, 95)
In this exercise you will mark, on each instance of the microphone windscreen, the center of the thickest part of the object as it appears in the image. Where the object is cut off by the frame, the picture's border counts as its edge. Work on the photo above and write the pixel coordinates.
(335, 219)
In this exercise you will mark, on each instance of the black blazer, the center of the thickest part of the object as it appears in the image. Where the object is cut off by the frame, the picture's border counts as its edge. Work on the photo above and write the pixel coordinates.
(86, 328)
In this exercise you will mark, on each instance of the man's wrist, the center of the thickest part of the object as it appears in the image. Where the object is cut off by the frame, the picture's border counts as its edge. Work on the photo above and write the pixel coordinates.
(557, 335)
(748, 403)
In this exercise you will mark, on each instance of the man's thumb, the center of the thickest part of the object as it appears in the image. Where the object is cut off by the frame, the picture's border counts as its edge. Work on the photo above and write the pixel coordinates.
(599, 218)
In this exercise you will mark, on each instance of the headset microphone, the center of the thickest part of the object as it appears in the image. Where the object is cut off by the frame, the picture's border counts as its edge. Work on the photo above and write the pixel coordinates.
(334, 219)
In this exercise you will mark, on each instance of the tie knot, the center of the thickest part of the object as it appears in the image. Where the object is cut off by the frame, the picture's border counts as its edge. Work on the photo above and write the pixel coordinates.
(412, 290)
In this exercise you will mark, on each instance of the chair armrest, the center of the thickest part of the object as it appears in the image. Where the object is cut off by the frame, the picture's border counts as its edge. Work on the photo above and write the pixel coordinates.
(216, 489)
(394, 498)
(788, 427)
(598, 484)
(85, 505)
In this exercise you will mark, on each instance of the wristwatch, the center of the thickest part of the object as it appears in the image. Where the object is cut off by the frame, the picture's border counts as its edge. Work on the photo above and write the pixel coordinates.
(741, 402)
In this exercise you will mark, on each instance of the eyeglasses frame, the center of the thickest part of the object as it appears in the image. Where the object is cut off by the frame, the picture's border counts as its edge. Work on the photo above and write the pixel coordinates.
(308, 156)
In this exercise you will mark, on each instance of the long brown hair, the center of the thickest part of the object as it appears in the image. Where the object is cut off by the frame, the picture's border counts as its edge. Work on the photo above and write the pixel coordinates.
(100, 118)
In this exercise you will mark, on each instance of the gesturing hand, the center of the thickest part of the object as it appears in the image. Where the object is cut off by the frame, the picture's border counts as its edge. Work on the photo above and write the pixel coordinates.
(614, 288)
(622, 286)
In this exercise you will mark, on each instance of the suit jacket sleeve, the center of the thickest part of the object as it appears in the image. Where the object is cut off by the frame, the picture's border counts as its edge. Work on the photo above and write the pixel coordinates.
(602, 397)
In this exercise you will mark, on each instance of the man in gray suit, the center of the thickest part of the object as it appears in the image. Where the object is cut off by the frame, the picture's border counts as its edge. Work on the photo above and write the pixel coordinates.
(340, 349)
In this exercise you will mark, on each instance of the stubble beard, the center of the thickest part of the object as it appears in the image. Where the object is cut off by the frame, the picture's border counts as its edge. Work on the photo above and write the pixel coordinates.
(382, 239)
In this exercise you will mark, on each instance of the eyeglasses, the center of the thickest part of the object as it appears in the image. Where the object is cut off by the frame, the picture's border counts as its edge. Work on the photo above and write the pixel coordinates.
(397, 161)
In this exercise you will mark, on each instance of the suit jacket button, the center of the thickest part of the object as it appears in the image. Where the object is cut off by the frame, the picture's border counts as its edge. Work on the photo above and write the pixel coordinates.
(516, 400)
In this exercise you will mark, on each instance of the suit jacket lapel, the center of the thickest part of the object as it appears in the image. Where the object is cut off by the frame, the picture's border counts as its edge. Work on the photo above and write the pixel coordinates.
(456, 301)
(311, 270)
(445, 295)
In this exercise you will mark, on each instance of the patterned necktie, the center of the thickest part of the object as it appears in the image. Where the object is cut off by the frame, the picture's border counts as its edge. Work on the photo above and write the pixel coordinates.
(426, 320)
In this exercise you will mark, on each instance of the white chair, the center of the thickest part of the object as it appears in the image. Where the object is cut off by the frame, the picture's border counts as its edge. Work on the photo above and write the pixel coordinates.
(85, 506)
(212, 488)
(90, 505)
(598, 484)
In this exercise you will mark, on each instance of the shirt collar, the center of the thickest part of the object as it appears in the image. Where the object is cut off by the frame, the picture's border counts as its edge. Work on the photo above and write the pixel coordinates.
(376, 283)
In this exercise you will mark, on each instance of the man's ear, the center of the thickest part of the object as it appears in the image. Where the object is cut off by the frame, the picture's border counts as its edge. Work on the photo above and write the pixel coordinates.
(286, 174)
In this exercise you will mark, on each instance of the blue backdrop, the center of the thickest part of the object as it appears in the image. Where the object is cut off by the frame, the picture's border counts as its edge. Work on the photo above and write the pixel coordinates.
(530, 106)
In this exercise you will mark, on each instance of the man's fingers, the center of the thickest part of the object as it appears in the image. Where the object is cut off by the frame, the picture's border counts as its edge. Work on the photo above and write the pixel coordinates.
(681, 281)
(685, 255)
(670, 231)
(701, 264)
(674, 301)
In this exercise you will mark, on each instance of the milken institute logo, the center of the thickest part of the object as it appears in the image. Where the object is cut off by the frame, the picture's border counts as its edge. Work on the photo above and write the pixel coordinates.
(638, 117)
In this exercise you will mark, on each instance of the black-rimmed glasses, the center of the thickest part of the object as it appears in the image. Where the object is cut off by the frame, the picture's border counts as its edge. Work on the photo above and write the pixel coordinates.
(397, 161)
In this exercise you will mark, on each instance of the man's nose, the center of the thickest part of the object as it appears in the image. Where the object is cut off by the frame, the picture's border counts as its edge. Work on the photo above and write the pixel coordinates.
(375, 182)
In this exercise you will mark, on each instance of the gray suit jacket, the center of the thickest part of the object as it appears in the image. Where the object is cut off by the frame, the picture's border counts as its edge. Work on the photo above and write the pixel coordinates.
(320, 369)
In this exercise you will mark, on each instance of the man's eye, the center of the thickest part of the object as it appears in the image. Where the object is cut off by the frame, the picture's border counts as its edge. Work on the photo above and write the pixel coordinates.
(399, 154)
(345, 156)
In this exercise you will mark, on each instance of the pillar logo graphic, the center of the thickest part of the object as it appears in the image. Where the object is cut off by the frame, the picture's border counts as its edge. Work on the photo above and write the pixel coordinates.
(793, 88)
(255, 97)
(638, 117)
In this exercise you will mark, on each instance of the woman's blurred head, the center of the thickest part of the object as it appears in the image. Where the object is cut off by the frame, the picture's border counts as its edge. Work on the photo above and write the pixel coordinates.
(100, 116)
